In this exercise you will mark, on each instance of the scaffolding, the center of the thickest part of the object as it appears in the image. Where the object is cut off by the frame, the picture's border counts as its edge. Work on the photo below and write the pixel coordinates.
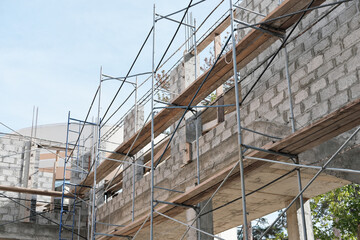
(75, 159)
(261, 35)
(261, 154)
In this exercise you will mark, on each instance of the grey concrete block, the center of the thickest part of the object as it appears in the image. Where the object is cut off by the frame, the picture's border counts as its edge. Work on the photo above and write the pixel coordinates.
(339, 100)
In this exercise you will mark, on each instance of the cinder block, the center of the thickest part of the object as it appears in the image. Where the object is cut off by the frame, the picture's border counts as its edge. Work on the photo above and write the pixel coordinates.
(328, 28)
(277, 99)
(254, 104)
(317, 86)
(331, 52)
(355, 91)
(353, 63)
(216, 141)
(7, 217)
(298, 74)
(320, 110)
(343, 18)
(270, 116)
(310, 102)
(344, 56)
(263, 109)
(347, 81)
(324, 69)
(226, 134)
(300, 96)
(269, 94)
(338, 35)
(315, 63)
(323, 44)
(249, 118)
(339, 100)
(302, 120)
(336, 74)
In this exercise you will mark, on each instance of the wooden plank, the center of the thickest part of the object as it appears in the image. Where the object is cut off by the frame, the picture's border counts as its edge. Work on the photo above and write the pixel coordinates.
(333, 131)
(211, 36)
(115, 187)
(246, 50)
(158, 155)
(116, 183)
(33, 191)
(320, 127)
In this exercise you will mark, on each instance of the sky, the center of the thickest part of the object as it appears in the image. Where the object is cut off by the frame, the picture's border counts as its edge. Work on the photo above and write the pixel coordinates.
(51, 52)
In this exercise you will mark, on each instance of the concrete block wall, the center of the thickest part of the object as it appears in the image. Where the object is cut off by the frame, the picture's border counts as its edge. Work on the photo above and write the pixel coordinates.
(322, 64)
(129, 122)
(177, 80)
(324, 69)
(12, 174)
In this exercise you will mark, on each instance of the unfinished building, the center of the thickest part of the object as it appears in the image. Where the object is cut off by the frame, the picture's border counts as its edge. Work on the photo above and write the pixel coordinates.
(280, 129)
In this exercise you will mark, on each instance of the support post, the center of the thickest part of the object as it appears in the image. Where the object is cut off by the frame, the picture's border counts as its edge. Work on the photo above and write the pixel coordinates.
(220, 90)
(198, 221)
(96, 160)
(133, 192)
(25, 212)
(64, 176)
(292, 120)
(54, 177)
(152, 134)
(237, 100)
(134, 159)
(294, 224)
(91, 160)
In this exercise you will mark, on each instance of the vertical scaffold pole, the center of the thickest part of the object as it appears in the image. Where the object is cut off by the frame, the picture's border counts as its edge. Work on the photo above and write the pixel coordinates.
(292, 121)
(134, 158)
(241, 165)
(196, 124)
(93, 215)
(152, 133)
(196, 127)
(64, 176)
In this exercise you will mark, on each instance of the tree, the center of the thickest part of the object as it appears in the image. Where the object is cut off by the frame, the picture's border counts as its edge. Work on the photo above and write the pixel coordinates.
(336, 214)
(278, 232)
(161, 82)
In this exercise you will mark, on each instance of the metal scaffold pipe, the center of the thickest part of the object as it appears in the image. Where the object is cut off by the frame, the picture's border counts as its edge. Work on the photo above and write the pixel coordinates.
(237, 101)
(152, 134)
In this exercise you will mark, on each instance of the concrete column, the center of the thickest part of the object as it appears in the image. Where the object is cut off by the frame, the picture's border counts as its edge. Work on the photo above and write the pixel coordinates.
(139, 171)
(31, 165)
(219, 90)
(294, 223)
(190, 216)
(190, 135)
(206, 223)
(179, 79)
(131, 125)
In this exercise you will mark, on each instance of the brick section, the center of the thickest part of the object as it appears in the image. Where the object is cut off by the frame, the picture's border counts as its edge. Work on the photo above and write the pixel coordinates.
(12, 174)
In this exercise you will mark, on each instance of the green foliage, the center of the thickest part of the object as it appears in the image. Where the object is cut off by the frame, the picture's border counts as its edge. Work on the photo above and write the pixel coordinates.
(338, 209)
(278, 231)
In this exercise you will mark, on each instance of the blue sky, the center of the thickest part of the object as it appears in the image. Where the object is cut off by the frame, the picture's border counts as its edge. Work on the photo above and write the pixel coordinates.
(51, 52)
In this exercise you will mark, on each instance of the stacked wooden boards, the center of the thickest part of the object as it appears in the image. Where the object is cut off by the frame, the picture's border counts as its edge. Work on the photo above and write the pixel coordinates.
(246, 50)
(320, 131)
